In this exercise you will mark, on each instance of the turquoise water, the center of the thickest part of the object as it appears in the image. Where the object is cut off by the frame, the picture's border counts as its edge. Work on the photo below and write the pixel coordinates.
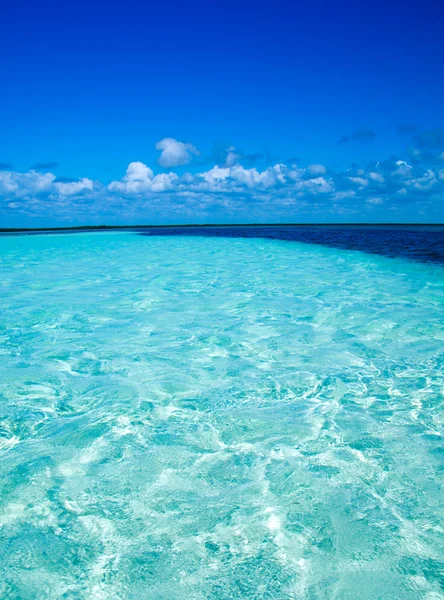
(210, 418)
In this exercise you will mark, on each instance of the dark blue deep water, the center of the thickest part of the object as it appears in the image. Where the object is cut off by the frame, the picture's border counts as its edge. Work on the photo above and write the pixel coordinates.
(415, 242)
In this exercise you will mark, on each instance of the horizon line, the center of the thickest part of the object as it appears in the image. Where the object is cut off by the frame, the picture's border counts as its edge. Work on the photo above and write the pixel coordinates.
(190, 225)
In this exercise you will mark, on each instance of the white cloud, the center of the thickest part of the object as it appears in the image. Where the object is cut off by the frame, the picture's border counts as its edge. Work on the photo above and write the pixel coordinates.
(137, 171)
(22, 185)
(164, 182)
(317, 169)
(228, 179)
(318, 185)
(231, 187)
(359, 181)
(232, 157)
(74, 187)
(376, 177)
(344, 194)
(174, 153)
(140, 179)
(33, 183)
(424, 182)
(403, 169)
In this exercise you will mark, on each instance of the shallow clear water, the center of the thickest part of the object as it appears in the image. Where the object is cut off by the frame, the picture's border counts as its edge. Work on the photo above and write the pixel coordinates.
(191, 417)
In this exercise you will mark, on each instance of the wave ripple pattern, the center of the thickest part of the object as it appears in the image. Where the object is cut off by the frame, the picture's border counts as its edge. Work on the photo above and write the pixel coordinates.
(210, 418)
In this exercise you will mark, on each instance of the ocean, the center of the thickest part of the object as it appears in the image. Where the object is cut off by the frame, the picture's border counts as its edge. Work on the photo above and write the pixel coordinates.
(222, 413)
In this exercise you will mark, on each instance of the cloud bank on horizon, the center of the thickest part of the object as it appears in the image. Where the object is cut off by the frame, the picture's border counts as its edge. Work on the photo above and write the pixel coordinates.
(395, 189)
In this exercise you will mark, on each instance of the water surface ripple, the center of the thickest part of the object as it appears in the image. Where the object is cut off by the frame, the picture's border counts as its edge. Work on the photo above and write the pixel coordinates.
(214, 418)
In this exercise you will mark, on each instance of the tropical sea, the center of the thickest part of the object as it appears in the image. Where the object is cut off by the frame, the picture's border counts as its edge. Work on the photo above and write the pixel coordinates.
(222, 413)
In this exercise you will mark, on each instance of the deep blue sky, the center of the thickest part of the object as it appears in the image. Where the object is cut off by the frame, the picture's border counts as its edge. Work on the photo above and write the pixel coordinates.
(93, 86)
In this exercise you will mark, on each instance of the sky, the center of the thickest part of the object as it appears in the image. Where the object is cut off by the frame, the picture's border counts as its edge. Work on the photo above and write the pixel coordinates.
(231, 112)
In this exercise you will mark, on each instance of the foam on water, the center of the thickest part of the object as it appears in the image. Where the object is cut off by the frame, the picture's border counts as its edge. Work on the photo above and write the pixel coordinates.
(188, 417)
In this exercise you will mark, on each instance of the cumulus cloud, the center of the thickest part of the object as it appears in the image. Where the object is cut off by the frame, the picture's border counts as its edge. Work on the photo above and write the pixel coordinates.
(317, 169)
(232, 157)
(32, 185)
(74, 187)
(140, 179)
(174, 153)
(375, 176)
(344, 194)
(22, 185)
(228, 189)
(237, 178)
(359, 181)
